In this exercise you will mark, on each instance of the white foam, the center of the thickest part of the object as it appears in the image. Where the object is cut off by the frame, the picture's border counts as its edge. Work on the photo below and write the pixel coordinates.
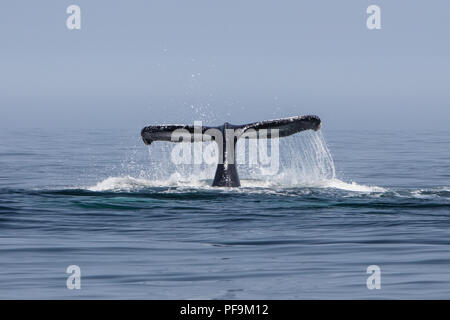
(306, 162)
(120, 183)
(129, 183)
(353, 186)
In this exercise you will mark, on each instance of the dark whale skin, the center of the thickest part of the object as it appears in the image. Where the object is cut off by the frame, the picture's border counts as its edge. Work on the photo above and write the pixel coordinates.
(226, 172)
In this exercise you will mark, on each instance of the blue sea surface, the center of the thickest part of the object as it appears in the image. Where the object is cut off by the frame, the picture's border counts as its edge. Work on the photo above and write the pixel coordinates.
(101, 200)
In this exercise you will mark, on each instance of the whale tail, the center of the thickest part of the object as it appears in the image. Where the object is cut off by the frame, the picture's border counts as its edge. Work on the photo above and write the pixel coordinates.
(226, 137)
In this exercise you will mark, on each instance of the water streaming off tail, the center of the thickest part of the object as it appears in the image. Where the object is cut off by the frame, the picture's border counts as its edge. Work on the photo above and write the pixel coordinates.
(302, 159)
(307, 159)
(162, 168)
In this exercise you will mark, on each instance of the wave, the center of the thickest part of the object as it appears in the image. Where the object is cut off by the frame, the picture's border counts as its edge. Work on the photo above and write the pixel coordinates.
(128, 183)
(305, 162)
(326, 189)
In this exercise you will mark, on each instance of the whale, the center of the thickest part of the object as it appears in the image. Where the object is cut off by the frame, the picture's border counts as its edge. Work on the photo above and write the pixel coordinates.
(226, 137)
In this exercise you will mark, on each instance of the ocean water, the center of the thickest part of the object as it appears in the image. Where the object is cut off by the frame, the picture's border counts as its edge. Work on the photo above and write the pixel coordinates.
(140, 227)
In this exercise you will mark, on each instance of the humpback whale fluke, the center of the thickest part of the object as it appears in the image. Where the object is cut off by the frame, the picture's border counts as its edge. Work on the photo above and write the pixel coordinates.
(226, 137)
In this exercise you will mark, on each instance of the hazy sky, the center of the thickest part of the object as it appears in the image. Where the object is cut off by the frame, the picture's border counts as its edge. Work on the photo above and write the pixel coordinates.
(135, 63)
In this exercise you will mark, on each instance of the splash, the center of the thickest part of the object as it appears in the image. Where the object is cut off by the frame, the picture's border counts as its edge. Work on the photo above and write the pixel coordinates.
(129, 183)
(305, 162)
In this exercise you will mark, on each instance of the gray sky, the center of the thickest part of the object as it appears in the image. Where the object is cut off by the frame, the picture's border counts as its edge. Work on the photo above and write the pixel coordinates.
(136, 63)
